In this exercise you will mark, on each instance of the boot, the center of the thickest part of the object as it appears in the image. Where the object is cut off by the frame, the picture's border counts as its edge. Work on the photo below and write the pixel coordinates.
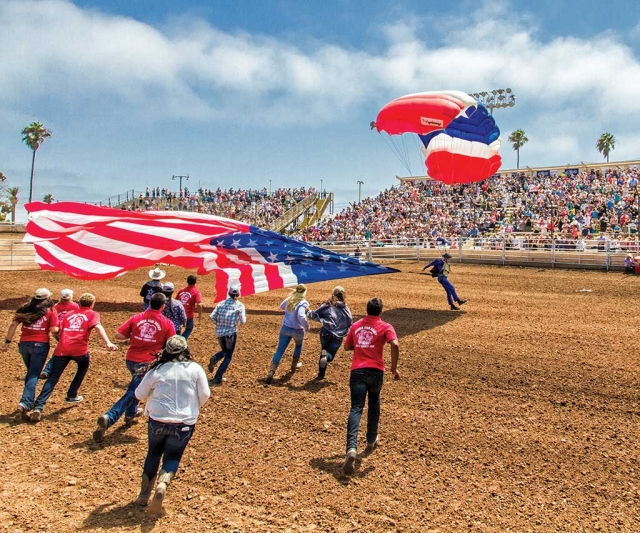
(164, 478)
(294, 364)
(145, 490)
(271, 373)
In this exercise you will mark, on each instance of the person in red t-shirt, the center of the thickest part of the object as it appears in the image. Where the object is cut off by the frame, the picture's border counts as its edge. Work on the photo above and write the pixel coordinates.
(64, 305)
(38, 320)
(367, 338)
(147, 333)
(191, 299)
(73, 345)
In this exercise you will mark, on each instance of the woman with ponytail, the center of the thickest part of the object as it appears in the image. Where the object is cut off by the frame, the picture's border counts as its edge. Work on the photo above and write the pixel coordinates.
(175, 388)
(294, 326)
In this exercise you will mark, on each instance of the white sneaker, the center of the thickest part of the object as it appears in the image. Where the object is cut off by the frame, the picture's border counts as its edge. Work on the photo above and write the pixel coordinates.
(323, 359)
(299, 365)
(350, 462)
(77, 399)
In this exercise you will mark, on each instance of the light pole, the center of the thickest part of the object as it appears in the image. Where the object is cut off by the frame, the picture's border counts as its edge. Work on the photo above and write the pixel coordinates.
(174, 177)
(360, 184)
(496, 99)
(269, 187)
(320, 188)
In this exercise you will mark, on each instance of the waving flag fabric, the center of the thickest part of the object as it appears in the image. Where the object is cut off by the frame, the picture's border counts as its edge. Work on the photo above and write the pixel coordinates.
(91, 242)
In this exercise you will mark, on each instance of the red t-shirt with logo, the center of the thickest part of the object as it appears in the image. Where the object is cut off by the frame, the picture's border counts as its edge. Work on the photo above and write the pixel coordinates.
(190, 296)
(63, 307)
(39, 330)
(147, 333)
(75, 329)
(367, 337)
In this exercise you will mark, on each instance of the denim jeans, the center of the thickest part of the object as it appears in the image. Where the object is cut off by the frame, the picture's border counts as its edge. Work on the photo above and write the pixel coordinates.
(34, 356)
(364, 381)
(331, 344)
(166, 442)
(48, 367)
(286, 334)
(59, 364)
(188, 328)
(128, 404)
(227, 346)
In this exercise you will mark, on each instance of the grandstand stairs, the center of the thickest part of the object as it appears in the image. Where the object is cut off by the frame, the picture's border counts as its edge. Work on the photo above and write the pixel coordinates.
(304, 209)
(313, 215)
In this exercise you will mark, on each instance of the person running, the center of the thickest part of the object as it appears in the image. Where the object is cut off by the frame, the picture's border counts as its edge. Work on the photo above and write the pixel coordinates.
(335, 317)
(64, 305)
(441, 269)
(147, 333)
(367, 338)
(173, 309)
(73, 345)
(192, 300)
(294, 326)
(38, 320)
(175, 388)
(152, 286)
(226, 316)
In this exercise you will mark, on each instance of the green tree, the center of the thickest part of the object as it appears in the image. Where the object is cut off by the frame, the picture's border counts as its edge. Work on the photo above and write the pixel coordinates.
(13, 200)
(33, 136)
(605, 144)
(48, 198)
(518, 139)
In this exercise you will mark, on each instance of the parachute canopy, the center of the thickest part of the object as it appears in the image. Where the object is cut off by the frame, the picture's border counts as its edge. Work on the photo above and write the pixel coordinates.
(460, 137)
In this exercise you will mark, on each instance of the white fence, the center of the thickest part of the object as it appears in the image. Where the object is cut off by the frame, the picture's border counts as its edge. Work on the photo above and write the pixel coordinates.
(526, 250)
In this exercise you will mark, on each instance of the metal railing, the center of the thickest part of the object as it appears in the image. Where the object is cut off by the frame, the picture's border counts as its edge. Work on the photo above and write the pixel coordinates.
(528, 250)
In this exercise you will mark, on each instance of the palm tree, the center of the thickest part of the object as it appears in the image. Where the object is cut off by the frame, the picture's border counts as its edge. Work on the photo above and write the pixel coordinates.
(3, 178)
(605, 144)
(13, 199)
(48, 198)
(518, 139)
(33, 136)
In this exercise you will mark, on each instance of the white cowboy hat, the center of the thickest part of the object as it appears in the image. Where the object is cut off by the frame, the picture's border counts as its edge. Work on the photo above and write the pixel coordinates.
(156, 273)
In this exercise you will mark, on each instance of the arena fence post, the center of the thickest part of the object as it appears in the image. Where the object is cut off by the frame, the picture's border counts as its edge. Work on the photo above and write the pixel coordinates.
(504, 249)
(553, 252)
(460, 241)
(418, 249)
(369, 251)
(11, 254)
(607, 259)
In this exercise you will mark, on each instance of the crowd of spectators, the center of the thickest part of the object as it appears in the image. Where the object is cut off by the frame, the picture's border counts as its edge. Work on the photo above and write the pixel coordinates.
(258, 207)
(592, 204)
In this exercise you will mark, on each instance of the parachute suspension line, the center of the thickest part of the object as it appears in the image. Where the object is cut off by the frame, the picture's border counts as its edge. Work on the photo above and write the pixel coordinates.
(395, 150)
(418, 144)
(405, 153)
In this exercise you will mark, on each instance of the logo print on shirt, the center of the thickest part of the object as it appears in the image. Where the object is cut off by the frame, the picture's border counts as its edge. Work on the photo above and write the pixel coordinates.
(76, 321)
(148, 331)
(184, 297)
(365, 337)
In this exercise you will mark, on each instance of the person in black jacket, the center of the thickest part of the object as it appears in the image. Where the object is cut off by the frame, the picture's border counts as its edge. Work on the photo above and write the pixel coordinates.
(441, 269)
(152, 286)
(335, 317)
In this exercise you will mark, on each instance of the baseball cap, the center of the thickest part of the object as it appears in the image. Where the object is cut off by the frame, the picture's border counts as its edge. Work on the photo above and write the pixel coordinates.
(234, 291)
(168, 287)
(176, 344)
(66, 294)
(42, 294)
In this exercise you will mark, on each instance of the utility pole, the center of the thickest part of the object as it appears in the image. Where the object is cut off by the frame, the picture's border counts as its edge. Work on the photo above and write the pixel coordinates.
(360, 184)
(175, 177)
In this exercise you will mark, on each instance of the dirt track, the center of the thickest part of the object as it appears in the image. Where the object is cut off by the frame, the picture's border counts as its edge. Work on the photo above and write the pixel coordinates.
(519, 413)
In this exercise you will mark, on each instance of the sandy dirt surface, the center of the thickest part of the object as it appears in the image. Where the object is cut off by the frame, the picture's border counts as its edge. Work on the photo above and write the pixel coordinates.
(518, 413)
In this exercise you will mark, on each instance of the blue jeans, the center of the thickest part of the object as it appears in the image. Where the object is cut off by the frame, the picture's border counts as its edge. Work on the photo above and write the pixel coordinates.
(188, 328)
(128, 404)
(48, 367)
(331, 344)
(34, 356)
(59, 363)
(227, 346)
(364, 381)
(166, 442)
(286, 334)
(452, 297)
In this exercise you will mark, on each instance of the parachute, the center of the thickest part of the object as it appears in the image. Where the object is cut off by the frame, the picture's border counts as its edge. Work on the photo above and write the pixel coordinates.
(460, 137)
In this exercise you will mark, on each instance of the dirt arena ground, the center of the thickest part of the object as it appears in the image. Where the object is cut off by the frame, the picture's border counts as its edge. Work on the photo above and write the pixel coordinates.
(519, 413)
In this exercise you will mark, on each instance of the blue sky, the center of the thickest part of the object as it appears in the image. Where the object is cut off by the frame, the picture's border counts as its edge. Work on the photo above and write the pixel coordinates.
(240, 93)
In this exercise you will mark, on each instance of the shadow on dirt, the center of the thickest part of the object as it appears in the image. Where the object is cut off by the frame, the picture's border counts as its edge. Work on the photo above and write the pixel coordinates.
(12, 419)
(54, 416)
(313, 385)
(119, 307)
(11, 304)
(407, 321)
(333, 465)
(116, 437)
(110, 515)
(264, 312)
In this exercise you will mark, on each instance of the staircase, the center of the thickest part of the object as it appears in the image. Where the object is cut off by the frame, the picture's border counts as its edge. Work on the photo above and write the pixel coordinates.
(298, 210)
(321, 205)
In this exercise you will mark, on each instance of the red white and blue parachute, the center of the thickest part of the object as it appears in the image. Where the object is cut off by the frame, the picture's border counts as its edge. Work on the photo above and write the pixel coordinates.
(460, 138)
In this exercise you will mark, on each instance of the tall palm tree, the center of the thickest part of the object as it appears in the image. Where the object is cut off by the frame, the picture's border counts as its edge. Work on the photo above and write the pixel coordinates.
(3, 178)
(518, 139)
(605, 144)
(48, 198)
(13, 199)
(33, 136)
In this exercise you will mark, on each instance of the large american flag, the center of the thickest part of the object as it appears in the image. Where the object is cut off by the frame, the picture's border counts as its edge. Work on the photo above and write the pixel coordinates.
(92, 242)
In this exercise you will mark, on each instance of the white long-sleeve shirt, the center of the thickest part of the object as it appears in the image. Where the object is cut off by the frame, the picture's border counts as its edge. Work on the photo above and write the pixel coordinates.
(174, 392)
